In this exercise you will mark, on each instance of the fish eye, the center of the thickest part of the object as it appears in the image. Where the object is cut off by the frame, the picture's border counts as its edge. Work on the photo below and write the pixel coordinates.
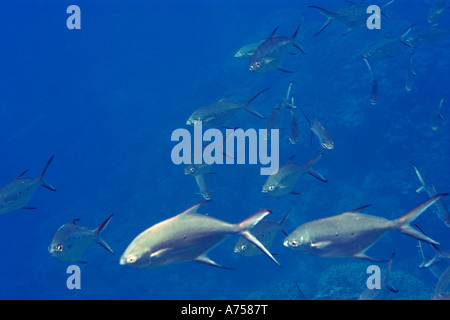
(243, 247)
(131, 259)
(192, 169)
(294, 243)
(258, 64)
(271, 188)
(60, 247)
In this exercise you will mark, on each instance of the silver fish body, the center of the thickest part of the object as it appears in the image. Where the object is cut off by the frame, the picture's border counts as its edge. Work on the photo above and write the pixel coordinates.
(18, 193)
(436, 10)
(265, 231)
(248, 50)
(351, 233)
(71, 240)
(187, 236)
(284, 181)
(218, 113)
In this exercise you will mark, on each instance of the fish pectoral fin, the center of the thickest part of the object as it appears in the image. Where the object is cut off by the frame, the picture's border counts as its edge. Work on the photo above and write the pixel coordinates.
(321, 244)
(158, 253)
(102, 242)
(205, 260)
(364, 256)
(29, 208)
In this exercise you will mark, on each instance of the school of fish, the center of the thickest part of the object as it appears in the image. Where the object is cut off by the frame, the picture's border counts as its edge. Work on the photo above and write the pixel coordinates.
(190, 235)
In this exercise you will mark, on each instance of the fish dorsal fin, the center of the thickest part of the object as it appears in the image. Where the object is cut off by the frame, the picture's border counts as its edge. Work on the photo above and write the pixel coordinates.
(224, 98)
(358, 209)
(274, 31)
(21, 175)
(74, 221)
(193, 209)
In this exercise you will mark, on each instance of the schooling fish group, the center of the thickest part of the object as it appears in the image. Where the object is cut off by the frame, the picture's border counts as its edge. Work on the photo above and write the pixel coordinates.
(190, 235)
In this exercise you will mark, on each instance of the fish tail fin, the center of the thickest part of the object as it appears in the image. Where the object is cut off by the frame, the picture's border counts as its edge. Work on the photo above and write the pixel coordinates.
(403, 223)
(403, 36)
(41, 177)
(313, 172)
(247, 103)
(99, 239)
(324, 11)
(250, 222)
(46, 166)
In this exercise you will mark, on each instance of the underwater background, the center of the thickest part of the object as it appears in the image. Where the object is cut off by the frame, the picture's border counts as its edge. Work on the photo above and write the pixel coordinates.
(105, 100)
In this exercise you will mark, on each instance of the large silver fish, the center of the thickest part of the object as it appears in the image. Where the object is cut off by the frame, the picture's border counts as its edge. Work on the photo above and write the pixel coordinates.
(353, 16)
(70, 240)
(218, 113)
(265, 231)
(283, 182)
(320, 132)
(188, 236)
(441, 210)
(437, 8)
(351, 233)
(270, 53)
(18, 193)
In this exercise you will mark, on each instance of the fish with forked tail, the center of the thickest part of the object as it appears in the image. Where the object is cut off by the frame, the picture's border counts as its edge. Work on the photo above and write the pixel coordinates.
(351, 233)
(18, 193)
(70, 240)
(188, 236)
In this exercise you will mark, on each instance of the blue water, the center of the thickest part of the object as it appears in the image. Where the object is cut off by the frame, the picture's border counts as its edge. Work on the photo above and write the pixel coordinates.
(105, 100)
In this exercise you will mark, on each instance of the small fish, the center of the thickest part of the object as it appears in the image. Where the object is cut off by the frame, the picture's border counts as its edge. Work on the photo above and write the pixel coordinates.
(320, 132)
(439, 255)
(203, 187)
(294, 137)
(18, 193)
(351, 233)
(283, 182)
(372, 294)
(436, 115)
(270, 53)
(274, 120)
(437, 8)
(373, 96)
(441, 210)
(354, 16)
(70, 241)
(410, 75)
(248, 50)
(265, 231)
(425, 35)
(442, 289)
(188, 236)
(218, 113)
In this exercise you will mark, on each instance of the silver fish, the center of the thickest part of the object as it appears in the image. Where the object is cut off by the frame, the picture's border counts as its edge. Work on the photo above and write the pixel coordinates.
(436, 115)
(294, 137)
(441, 210)
(437, 8)
(188, 236)
(248, 50)
(18, 193)
(320, 132)
(70, 240)
(410, 75)
(283, 182)
(442, 289)
(203, 187)
(270, 53)
(218, 113)
(432, 263)
(351, 233)
(354, 16)
(265, 231)
(425, 35)
(274, 120)
(373, 96)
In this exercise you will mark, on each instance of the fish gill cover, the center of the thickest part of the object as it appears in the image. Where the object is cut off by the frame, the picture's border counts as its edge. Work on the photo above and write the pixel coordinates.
(103, 86)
